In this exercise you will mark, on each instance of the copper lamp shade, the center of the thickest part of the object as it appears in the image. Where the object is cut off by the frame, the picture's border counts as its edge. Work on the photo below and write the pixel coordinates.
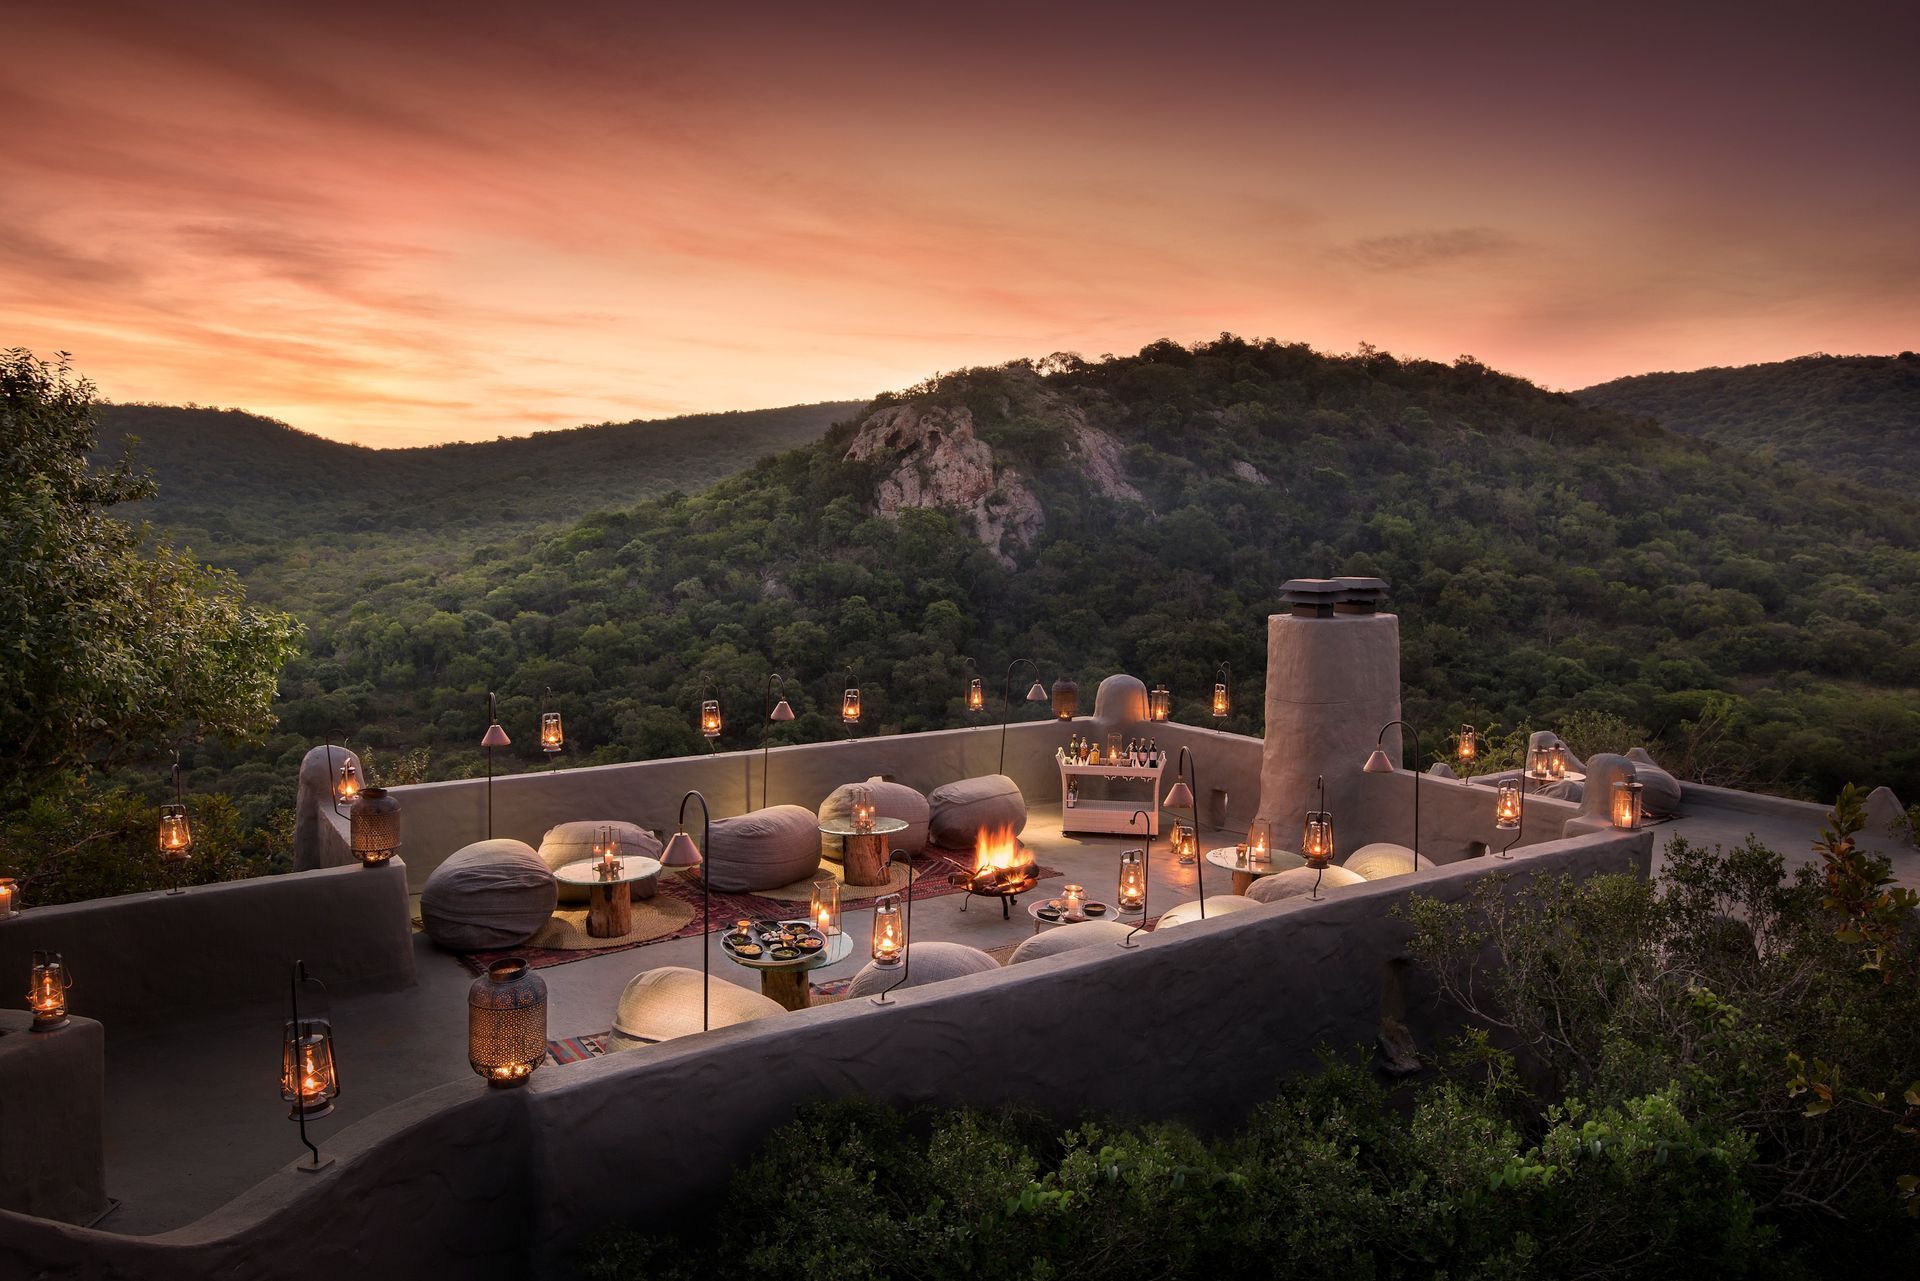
(1377, 763)
(1179, 796)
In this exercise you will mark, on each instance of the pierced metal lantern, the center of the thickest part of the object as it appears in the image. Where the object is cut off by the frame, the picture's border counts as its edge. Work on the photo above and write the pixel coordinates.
(1066, 699)
(1316, 838)
(1506, 806)
(823, 905)
(1131, 893)
(976, 695)
(9, 897)
(176, 833)
(373, 826)
(553, 735)
(346, 784)
(309, 1077)
(1160, 703)
(889, 932)
(507, 1022)
(1626, 803)
(710, 722)
(1467, 746)
(1222, 703)
(47, 985)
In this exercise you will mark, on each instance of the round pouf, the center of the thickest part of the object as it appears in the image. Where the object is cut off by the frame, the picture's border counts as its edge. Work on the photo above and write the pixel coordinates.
(1298, 882)
(891, 800)
(928, 962)
(763, 850)
(489, 894)
(959, 812)
(1217, 905)
(1120, 704)
(664, 1003)
(567, 843)
(1382, 859)
(1069, 938)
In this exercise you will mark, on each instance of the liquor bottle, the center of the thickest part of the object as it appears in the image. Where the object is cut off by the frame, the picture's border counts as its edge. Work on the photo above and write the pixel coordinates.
(1153, 752)
(1073, 792)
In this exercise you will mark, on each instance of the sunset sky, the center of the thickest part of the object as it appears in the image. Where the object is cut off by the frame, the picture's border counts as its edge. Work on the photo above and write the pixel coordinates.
(400, 223)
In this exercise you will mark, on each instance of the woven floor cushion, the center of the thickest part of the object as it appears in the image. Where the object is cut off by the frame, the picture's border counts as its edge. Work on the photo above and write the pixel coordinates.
(763, 850)
(662, 1004)
(567, 843)
(1298, 882)
(1069, 938)
(1381, 859)
(958, 812)
(490, 894)
(892, 800)
(1217, 905)
(928, 962)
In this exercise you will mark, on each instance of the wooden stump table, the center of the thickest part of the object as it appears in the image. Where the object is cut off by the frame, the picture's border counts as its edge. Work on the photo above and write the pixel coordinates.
(864, 854)
(609, 898)
(787, 982)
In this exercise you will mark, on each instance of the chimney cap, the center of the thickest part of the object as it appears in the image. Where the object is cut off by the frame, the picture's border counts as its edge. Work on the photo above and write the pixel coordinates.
(1360, 595)
(1311, 597)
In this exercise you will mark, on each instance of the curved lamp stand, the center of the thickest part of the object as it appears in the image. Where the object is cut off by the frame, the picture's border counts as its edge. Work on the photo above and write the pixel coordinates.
(1146, 877)
(494, 737)
(906, 953)
(1006, 703)
(779, 711)
(682, 852)
(1520, 821)
(1379, 764)
(1185, 793)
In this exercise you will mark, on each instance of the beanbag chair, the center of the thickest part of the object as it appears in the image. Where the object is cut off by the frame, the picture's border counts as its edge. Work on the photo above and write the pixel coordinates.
(1070, 938)
(567, 843)
(664, 1003)
(959, 811)
(893, 800)
(1298, 883)
(1382, 859)
(1660, 791)
(490, 894)
(1217, 905)
(928, 962)
(763, 850)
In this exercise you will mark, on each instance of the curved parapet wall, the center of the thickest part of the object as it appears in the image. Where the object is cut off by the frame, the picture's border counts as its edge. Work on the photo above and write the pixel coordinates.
(474, 1183)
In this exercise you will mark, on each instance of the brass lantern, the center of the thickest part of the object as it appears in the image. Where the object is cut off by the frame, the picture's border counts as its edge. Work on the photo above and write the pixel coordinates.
(373, 827)
(1506, 806)
(1260, 842)
(710, 722)
(346, 785)
(823, 906)
(1316, 838)
(976, 695)
(1066, 699)
(47, 985)
(889, 932)
(1467, 748)
(309, 1077)
(1131, 894)
(1626, 803)
(1160, 703)
(176, 833)
(507, 1022)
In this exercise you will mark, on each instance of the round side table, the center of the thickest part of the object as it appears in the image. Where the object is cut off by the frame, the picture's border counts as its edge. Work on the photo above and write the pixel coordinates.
(864, 854)
(1246, 871)
(609, 898)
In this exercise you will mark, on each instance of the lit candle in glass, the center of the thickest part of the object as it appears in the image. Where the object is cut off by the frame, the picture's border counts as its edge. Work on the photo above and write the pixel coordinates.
(1537, 763)
(1259, 841)
(308, 1078)
(1316, 838)
(1557, 761)
(1160, 703)
(9, 897)
(889, 932)
(1506, 806)
(609, 851)
(1627, 798)
(850, 705)
(1221, 704)
(976, 695)
(347, 787)
(552, 735)
(710, 718)
(1468, 747)
(1073, 902)
(1132, 891)
(47, 986)
(864, 810)
(824, 906)
(176, 834)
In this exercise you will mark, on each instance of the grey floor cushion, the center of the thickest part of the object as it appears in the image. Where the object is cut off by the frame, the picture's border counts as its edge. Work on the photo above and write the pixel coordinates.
(1298, 882)
(960, 811)
(1382, 859)
(928, 962)
(892, 800)
(489, 894)
(1069, 938)
(1188, 913)
(763, 850)
(570, 842)
(664, 1003)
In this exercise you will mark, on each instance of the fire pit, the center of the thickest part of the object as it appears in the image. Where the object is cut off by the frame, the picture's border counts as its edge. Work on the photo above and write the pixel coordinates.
(1003, 869)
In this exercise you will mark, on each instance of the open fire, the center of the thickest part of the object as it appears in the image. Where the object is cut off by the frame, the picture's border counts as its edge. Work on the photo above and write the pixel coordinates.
(1002, 866)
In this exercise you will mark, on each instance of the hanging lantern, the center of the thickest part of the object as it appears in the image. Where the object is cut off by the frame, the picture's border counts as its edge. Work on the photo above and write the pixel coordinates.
(823, 906)
(889, 932)
(1467, 747)
(865, 812)
(710, 723)
(507, 1022)
(176, 833)
(1506, 806)
(1066, 699)
(1627, 799)
(976, 695)
(47, 986)
(373, 826)
(1160, 703)
(1131, 894)
(1260, 841)
(309, 1079)
(850, 705)
(1221, 703)
(1316, 838)
(1182, 842)
(346, 786)
(9, 897)
(553, 735)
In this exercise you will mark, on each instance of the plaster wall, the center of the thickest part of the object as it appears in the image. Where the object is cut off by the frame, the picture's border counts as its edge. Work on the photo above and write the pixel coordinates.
(503, 1183)
(1454, 816)
(143, 959)
(52, 1095)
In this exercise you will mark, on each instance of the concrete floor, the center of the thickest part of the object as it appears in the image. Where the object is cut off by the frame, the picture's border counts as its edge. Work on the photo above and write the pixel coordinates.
(194, 1117)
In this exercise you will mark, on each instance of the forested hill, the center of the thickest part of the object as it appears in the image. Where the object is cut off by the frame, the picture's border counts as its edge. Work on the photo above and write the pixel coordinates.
(1547, 558)
(1853, 416)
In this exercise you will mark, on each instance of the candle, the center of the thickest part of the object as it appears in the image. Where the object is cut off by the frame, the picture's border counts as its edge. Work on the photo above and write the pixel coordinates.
(1132, 893)
(1075, 905)
(9, 897)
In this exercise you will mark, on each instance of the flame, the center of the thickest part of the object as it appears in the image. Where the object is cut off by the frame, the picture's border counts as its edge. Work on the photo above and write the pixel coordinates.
(998, 849)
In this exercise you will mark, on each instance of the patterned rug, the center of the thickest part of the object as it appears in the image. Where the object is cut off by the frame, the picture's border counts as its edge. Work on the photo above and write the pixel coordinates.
(933, 872)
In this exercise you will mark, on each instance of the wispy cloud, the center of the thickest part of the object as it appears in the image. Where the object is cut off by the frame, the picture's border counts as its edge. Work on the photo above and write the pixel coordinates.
(1416, 250)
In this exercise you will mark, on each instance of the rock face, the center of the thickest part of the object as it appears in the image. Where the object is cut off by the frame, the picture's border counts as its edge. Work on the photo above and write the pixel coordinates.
(938, 460)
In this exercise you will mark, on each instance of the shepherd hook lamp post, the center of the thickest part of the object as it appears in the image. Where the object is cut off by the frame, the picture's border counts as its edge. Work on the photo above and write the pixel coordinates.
(1510, 812)
(1037, 693)
(1185, 794)
(1134, 874)
(494, 737)
(309, 1077)
(553, 735)
(1379, 764)
(1222, 693)
(779, 711)
(893, 933)
(176, 831)
(682, 852)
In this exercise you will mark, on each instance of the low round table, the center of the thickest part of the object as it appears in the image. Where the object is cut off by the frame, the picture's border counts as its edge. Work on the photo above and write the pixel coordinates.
(609, 899)
(1246, 872)
(864, 854)
(786, 981)
(1041, 923)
